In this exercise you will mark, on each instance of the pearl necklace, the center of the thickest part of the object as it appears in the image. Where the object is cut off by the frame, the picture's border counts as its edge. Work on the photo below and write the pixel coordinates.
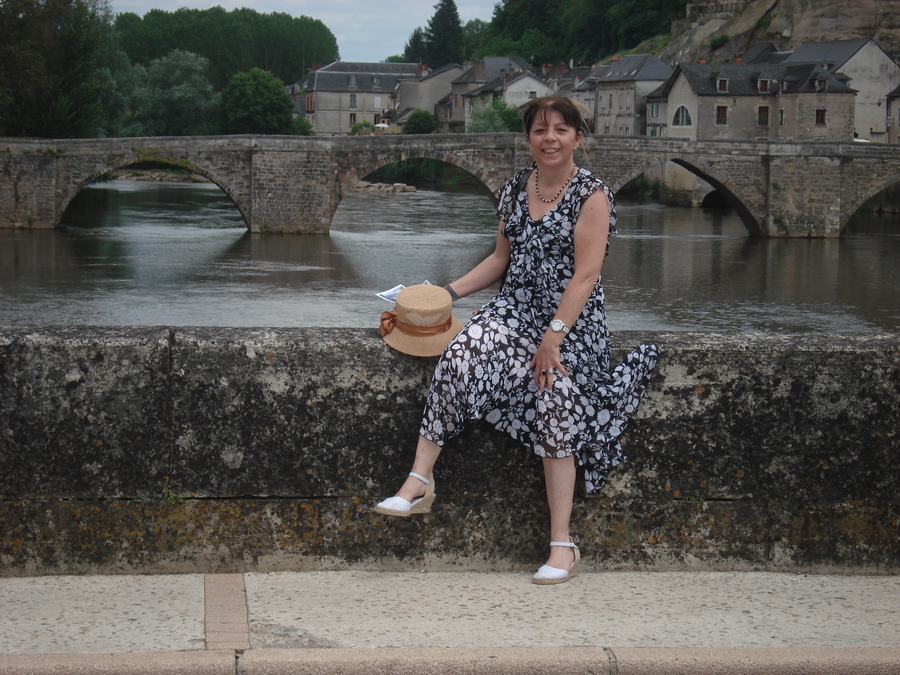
(556, 196)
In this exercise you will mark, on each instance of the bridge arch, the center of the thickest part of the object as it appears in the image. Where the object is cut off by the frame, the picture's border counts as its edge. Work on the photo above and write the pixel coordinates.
(725, 185)
(120, 162)
(369, 164)
(861, 196)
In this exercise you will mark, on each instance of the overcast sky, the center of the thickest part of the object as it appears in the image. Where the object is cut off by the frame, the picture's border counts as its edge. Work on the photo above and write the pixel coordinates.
(366, 30)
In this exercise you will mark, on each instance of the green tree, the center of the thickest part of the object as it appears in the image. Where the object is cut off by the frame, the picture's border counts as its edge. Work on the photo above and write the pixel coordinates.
(173, 97)
(49, 60)
(475, 32)
(256, 103)
(416, 49)
(497, 117)
(444, 35)
(420, 122)
(300, 126)
(233, 41)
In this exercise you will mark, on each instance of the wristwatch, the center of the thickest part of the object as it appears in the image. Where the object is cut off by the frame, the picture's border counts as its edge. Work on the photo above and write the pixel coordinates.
(558, 326)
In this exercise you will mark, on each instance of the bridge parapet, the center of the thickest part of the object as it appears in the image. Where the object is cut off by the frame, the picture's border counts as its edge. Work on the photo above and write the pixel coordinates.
(293, 184)
(226, 449)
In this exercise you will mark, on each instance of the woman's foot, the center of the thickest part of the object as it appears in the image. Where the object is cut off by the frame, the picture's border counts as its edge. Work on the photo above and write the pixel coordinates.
(415, 496)
(562, 564)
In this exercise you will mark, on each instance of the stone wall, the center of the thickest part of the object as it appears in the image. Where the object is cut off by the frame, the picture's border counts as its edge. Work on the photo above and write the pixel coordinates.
(198, 449)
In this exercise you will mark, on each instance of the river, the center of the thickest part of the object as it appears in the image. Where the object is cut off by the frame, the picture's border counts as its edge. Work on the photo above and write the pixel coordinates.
(133, 253)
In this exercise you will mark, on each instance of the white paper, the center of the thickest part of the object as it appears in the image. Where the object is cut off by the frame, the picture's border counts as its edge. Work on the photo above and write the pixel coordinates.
(391, 294)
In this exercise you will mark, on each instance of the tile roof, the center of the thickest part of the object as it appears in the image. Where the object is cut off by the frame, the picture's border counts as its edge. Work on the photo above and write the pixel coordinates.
(374, 68)
(835, 53)
(743, 80)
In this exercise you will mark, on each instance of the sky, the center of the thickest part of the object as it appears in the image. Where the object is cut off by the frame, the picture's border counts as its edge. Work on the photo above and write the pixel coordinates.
(366, 30)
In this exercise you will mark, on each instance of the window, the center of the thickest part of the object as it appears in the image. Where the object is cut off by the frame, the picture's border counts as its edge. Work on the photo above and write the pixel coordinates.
(763, 86)
(532, 94)
(762, 116)
(682, 118)
(781, 117)
(821, 86)
(310, 103)
(352, 118)
(722, 85)
(352, 100)
(376, 102)
(654, 110)
(721, 114)
(653, 131)
(820, 117)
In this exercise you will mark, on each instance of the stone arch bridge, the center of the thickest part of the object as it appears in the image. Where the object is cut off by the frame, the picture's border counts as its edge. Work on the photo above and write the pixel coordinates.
(294, 184)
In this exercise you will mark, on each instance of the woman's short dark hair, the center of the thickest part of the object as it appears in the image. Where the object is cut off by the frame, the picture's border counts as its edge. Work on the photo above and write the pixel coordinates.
(540, 109)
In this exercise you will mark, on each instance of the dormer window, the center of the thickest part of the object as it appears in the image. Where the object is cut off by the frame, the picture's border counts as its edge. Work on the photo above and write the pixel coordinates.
(821, 86)
(764, 86)
(722, 85)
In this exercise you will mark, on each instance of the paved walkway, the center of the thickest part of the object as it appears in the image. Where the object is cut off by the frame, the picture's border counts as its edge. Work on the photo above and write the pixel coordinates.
(398, 622)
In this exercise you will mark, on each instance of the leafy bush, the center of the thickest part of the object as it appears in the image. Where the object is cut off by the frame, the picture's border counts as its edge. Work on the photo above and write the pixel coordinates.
(420, 122)
(717, 41)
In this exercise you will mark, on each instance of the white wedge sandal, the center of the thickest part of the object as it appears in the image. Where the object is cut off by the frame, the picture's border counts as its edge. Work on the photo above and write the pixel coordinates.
(398, 506)
(553, 575)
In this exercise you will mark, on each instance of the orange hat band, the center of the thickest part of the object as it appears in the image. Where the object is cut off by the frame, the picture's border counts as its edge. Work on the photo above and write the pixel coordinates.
(389, 321)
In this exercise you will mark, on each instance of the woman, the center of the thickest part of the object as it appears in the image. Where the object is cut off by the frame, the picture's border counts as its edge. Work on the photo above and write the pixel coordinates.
(534, 361)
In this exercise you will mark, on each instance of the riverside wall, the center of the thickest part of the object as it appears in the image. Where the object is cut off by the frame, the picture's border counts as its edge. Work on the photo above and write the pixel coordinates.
(126, 450)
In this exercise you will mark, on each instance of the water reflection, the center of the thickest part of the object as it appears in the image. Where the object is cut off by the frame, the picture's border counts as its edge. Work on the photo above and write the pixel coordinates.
(133, 253)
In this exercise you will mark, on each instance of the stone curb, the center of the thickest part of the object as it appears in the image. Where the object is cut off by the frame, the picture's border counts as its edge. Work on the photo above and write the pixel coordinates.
(500, 660)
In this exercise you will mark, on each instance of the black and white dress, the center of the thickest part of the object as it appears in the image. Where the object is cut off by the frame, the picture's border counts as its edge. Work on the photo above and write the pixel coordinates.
(484, 372)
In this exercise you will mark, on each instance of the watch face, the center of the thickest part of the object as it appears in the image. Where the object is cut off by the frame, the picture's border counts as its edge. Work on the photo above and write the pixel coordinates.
(558, 326)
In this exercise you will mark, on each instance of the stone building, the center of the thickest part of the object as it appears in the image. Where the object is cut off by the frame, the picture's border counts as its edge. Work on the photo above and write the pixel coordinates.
(767, 102)
(615, 94)
(342, 94)
(515, 90)
(701, 11)
(872, 73)
(425, 92)
(476, 75)
(893, 116)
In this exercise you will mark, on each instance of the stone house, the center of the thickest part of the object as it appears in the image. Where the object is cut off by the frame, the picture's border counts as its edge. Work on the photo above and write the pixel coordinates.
(765, 102)
(516, 90)
(615, 94)
(872, 73)
(425, 92)
(458, 107)
(342, 94)
(893, 116)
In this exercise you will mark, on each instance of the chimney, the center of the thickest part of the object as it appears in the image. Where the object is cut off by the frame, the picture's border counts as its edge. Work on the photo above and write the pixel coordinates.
(479, 70)
(422, 70)
(738, 60)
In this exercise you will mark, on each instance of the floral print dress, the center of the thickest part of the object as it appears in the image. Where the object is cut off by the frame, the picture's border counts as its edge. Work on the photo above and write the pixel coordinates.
(484, 372)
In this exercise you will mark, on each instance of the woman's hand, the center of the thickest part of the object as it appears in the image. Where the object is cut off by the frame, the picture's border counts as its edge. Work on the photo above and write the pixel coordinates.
(546, 362)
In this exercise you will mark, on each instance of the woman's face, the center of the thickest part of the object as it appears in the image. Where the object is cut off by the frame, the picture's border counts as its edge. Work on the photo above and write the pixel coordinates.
(552, 141)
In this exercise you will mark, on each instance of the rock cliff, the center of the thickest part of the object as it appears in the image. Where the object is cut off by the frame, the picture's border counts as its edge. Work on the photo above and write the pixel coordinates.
(786, 24)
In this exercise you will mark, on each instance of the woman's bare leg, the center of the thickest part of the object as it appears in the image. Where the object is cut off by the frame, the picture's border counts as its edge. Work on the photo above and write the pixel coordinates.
(559, 477)
(426, 455)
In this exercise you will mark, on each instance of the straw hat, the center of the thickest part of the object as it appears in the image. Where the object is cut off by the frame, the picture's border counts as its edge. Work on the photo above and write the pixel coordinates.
(422, 323)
